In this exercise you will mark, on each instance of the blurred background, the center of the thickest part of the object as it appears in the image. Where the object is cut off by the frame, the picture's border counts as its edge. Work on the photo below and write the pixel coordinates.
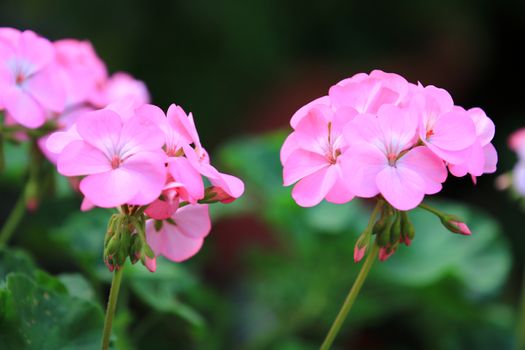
(272, 275)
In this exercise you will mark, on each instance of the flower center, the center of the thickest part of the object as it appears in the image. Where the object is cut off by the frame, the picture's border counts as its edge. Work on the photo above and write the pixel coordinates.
(115, 162)
(392, 157)
(20, 78)
(429, 133)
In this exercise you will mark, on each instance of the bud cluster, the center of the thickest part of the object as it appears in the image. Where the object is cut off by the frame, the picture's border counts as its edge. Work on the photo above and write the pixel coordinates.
(126, 237)
(393, 227)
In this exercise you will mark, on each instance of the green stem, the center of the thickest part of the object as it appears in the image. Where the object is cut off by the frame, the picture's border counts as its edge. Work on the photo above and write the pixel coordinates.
(520, 335)
(112, 304)
(13, 219)
(431, 210)
(358, 283)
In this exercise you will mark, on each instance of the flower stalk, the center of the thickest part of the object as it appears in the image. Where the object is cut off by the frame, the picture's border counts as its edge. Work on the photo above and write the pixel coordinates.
(358, 283)
(112, 305)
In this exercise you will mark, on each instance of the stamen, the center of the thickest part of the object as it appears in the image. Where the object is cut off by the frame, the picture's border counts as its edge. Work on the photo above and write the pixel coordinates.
(115, 162)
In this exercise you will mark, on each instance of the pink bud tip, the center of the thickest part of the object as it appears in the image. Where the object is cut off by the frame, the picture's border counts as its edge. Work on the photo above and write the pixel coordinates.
(463, 228)
(32, 204)
(151, 264)
(406, 240)
(359, 253)
(385, 254)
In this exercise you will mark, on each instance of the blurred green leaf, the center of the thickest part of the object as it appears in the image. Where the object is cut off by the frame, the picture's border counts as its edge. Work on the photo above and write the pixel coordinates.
(42, 318)
(162, 290)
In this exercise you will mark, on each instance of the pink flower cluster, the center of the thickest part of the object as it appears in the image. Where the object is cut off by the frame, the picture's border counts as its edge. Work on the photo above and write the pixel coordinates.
(517, 144)
(377, 134)
(137, 156)
(124, 151)
(43, 82)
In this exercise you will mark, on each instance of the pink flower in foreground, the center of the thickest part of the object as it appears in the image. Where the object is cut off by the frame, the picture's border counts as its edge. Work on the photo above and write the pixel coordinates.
(183, 237)
(381, 159)
(123, 161)
(310, 157)
(30, 87)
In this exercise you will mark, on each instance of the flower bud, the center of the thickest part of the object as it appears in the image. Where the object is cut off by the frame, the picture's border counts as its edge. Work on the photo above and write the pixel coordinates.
(395, 233)
(361, 245)
(215, 194)
(383, 238)
(386, 252)
(455, 225)
(407, 229)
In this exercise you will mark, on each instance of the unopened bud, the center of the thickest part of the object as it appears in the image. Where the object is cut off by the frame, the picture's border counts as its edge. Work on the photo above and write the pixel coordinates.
(407, 229)
(455, 225)
(216, 194)
(383, 238)
(395, 232)
(386, 252)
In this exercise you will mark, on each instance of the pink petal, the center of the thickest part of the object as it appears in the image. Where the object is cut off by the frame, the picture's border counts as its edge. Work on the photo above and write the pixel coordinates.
(110, 189)
(147, 171)
(193, 220)
(162, 210)
(339, 193)
(101, 129)
(170, 243)
(140, 134)
(428, 166)
(229, 184)
(474, 162)
(57, 141)
(453, 131)
(485, 128)
(360, 164)
(302, 163)
(453, 157)
(491, 158)
(79, 158)
(183, 172)
(47, 88)
(35, 49)
(23, 108)
(303, 111)
(311, 190)
(290, 144)
(402, 187)
(182, 124)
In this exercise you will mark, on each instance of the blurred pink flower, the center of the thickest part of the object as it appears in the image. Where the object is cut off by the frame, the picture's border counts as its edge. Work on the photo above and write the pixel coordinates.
(82, 71)
(30, 87)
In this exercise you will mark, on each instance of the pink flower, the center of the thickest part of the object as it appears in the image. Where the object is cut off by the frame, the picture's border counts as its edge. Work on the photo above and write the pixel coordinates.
(382, 159)
(359, 253)
(312, 158)
(482, 157)
(30, 87)
(367, 93)
(447, 131)
(82, 71)
(181, 237)
(196, 155)
(122, 86)
(123, 160)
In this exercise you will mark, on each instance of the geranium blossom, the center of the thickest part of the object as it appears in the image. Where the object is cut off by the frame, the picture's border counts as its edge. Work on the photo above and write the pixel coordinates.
(30, 87)
(382, 158)
(398, 140)
(311, 156)
(181, 237)
(123, 160)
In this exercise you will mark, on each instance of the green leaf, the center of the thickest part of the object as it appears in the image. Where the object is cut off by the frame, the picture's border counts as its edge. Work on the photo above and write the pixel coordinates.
(161, 290)
(40, 317)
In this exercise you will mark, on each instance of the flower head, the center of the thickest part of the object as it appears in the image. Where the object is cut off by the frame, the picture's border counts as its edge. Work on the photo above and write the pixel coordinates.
(30, 87)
